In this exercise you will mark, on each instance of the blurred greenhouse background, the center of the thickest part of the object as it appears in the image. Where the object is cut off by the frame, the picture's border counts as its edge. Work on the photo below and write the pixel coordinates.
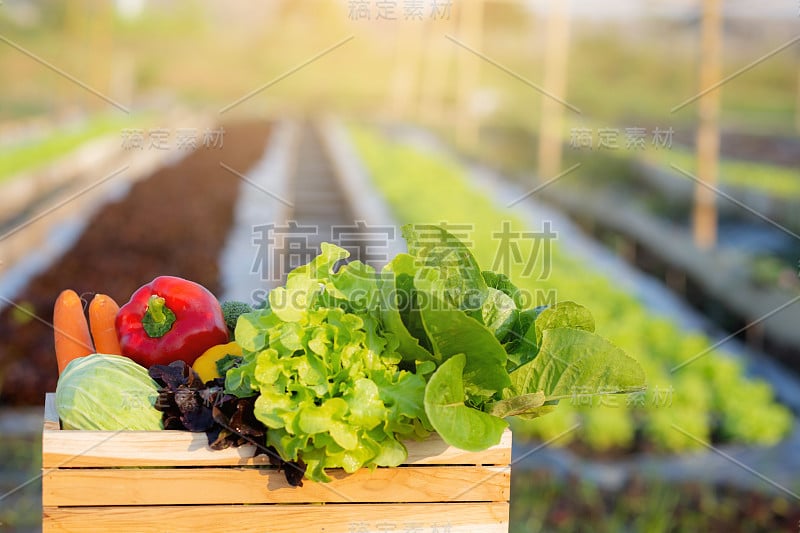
(639, 157)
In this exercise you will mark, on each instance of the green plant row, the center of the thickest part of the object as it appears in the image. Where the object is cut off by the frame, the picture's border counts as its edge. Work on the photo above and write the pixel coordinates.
(774, 180)
(16, 159)
(709, 399)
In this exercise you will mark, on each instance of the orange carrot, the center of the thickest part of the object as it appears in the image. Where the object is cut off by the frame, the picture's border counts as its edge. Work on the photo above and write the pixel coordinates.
(71, 329)
(102, 315)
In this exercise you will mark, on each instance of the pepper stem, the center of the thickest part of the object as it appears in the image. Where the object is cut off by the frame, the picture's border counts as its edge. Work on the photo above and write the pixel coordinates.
(158, 318)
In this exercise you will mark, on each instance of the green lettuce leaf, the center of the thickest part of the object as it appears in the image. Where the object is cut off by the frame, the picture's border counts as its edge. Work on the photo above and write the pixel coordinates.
(397, 293)
(330, 391)
(501, 282)
(445, 267)
(573, 361)
(457, 424)
(524, 404)
(452, 332)
(358, 284)
(521, 342)
(498, 313)
(305, 283)
(563, 315)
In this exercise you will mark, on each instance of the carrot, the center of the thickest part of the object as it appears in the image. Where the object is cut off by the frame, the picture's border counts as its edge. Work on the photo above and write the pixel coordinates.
(71, 329)
(102, 315)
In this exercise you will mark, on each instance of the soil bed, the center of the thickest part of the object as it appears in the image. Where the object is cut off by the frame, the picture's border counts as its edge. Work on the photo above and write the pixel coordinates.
(173, 222)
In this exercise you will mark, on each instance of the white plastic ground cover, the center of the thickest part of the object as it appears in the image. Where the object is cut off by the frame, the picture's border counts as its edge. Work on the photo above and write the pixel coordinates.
(367, 203)
(263, 198)
(261, 202)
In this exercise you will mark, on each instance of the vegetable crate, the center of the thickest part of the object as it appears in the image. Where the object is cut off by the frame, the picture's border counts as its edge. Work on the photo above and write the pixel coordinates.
(171, 480)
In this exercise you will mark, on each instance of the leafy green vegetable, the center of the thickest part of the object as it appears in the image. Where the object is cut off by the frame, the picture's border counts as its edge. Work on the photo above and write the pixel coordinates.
(573, 361)
(452, 288)
(329, 387)
(404, 270)
(498, 312)
(563, 315)
(524, 404)
(459, 425)
(330, 398)
(521, 341)
(346, 364)
(445, 267)
(501, 282)
(107, 393)
(396, 294)
(453, 332)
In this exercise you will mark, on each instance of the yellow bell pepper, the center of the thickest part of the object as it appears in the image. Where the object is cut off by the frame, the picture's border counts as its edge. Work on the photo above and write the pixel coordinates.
(206, 364)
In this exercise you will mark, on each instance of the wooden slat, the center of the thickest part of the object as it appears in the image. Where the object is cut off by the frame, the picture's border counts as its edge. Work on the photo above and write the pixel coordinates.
(434, 451)
(73, 449)
(344, 518)
(178, 486)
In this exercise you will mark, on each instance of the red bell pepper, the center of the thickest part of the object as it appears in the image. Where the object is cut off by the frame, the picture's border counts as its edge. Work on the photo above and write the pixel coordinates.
(169, 319)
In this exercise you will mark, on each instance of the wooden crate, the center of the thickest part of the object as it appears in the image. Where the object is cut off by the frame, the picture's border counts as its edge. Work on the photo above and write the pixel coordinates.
(171, 480)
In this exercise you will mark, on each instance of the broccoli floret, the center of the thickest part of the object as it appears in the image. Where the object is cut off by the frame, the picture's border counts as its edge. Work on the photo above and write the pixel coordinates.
(232, 310)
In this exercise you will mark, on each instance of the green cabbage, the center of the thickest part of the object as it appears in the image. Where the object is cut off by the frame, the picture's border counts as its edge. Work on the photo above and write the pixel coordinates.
(109, 393)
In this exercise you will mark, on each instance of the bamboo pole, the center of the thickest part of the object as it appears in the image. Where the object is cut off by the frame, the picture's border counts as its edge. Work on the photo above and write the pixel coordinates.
(435, 68)
(470, 30)
(405, 82)
(74, 31)
(705, 209)
(101, 15)
(797, 105)
(555, 83)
